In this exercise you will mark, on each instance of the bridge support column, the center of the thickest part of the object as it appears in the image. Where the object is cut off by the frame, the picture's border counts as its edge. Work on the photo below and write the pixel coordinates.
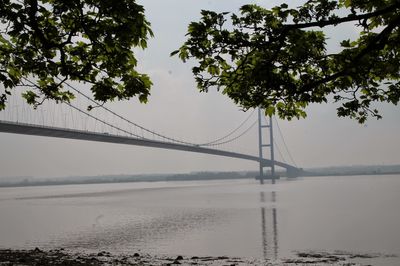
(260, 148)
(262, 145)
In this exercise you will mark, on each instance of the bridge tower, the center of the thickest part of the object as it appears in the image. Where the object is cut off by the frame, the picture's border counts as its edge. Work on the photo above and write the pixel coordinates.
(262, 144)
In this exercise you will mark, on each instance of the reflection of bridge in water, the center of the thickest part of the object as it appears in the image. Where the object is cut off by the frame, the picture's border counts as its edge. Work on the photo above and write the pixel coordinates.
(270, 248)
(75, 122)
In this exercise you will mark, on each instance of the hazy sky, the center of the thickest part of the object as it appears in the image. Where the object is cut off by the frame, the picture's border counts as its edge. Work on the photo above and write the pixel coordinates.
(176, 108)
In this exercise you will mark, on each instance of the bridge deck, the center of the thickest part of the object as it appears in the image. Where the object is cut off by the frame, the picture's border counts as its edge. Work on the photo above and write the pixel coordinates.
(36, 130)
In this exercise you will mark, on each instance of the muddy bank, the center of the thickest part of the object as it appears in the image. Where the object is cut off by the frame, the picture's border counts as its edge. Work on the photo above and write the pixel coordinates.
(62, 257)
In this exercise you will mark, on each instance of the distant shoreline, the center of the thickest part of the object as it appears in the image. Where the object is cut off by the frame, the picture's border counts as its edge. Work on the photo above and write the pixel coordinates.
(198, 176)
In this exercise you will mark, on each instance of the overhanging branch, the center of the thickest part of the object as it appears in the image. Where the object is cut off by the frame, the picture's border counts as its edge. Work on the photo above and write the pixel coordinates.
(335, 21)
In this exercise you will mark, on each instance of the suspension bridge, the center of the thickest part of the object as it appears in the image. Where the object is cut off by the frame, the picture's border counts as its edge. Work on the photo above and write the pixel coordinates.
(101, 124)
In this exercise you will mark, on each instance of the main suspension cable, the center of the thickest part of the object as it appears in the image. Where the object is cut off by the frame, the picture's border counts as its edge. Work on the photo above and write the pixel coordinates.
(97, 104)
(212, 143)
(235, 138)
(229, 134)
(94, 117)
(128, 121)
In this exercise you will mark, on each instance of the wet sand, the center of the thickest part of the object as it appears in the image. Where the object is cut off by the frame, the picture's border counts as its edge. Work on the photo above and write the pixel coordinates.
(36, 257)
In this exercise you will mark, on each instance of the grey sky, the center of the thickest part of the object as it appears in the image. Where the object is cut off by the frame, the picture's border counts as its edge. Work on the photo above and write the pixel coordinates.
(177, 109)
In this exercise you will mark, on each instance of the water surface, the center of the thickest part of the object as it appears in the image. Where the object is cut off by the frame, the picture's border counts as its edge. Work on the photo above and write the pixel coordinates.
(231, 217)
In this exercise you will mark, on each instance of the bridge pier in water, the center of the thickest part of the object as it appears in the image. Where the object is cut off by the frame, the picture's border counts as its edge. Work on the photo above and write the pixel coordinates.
(294, 172)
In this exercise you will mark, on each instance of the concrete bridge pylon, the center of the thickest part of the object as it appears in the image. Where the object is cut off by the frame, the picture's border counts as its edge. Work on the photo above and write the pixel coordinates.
(264, 143)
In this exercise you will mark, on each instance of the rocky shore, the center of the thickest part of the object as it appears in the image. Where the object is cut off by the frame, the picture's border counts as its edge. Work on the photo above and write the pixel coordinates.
(38, 257)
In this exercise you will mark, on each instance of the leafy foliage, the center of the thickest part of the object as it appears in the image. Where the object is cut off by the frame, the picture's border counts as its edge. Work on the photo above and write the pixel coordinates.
(277, 59)
(48, 42)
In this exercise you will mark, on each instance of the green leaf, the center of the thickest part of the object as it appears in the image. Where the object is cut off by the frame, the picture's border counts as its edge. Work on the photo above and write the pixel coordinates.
(84, 42)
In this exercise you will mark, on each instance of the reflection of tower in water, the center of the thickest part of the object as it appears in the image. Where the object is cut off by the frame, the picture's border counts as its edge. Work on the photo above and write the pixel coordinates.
(269, 231)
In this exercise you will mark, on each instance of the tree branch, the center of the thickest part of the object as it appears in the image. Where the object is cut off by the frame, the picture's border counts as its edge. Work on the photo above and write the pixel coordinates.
(34, 25)
(335, 21)
(375, 44)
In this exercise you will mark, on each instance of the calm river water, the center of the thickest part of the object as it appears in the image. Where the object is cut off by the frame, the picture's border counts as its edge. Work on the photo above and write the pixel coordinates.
(358, 214)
